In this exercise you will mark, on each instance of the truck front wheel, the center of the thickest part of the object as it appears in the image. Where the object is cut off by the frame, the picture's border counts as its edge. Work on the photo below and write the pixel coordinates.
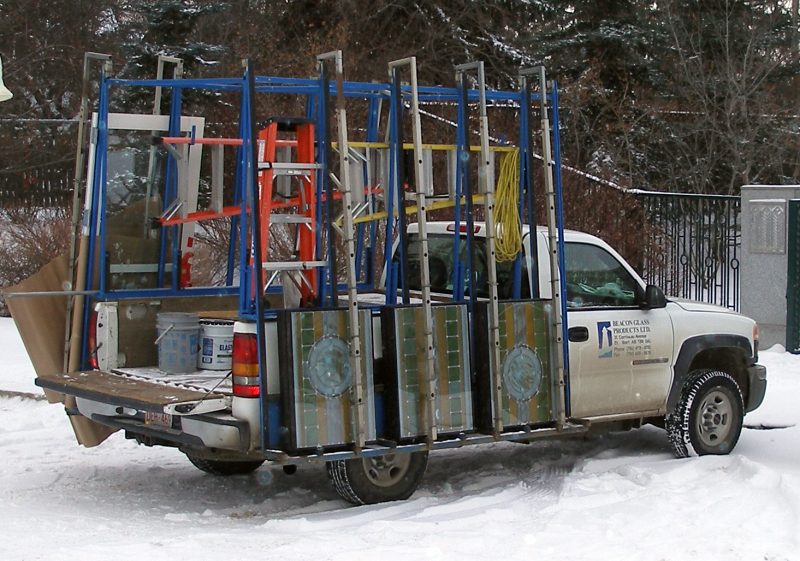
(224, 467)
(708, 418)
(393, 477)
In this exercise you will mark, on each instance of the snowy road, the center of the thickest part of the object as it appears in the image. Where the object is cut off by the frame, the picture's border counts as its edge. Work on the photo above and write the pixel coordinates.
(620, 496)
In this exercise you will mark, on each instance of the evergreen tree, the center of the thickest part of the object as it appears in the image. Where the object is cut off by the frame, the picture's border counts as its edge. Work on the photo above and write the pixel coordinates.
(166, 27)
(604, 56)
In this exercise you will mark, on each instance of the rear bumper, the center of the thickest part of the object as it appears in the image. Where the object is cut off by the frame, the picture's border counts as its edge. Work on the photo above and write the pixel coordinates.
(213, 430)
(757, 378)
(125, 402)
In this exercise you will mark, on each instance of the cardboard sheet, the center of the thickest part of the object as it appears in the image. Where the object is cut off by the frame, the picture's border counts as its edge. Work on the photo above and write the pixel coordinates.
(41, 324)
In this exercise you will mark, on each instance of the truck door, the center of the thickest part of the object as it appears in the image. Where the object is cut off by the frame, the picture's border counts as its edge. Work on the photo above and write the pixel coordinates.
(619, 353)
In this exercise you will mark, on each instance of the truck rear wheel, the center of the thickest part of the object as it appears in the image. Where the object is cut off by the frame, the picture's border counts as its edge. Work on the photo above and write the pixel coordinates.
(393, 477)
(709, 415)
(224, 467)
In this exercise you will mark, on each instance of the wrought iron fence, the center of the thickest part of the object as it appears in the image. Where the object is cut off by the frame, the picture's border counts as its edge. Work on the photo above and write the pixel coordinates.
(694, 246)
(45, 186)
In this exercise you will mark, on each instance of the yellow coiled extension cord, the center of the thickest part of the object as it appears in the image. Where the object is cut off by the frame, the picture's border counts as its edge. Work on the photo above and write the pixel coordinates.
(508, 241)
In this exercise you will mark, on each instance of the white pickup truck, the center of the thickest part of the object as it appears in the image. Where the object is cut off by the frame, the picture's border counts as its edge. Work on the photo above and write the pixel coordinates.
(634, 354)
(634, 357)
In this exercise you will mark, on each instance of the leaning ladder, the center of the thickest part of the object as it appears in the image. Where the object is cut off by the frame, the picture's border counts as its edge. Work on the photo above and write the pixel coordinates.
(343, 183)
(486, 175)
(422, 221)
(552, 234)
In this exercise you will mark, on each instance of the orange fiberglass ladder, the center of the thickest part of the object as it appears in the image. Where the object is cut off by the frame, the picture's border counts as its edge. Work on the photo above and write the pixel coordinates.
(296, 189)
(295, 179)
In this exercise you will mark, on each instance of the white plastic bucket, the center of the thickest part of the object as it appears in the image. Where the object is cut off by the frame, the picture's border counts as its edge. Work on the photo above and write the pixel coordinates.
(178, 335)
(216, 344)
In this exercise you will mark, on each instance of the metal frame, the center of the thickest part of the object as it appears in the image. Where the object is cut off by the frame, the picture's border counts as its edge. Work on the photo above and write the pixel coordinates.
(360, 239)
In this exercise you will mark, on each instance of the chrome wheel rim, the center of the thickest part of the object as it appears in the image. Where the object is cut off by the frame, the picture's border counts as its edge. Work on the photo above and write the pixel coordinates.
(386, 471)
(715, 418)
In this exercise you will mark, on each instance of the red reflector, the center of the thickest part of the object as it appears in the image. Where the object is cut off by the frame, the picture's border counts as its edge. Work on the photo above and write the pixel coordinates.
(245, 391)
(245, 364)
(462, 228)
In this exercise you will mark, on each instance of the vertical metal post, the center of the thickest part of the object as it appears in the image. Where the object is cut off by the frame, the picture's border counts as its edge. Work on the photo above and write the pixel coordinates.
(793, 279)
(562, 264)
(349, 238)
(72, 333)
(325, 183)
(553, 237)
(422, 224)
(250, 146)
(462, 149)
(484, 168)
(102, 192)
(399, 173)
(527, 191)
(389, 196)
(243, 193)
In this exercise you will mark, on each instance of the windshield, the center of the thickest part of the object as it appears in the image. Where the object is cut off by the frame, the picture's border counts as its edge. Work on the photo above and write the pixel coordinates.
(440, 263)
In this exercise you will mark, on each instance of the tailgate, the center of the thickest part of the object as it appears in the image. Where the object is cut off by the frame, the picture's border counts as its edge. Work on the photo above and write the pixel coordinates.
(124, 390)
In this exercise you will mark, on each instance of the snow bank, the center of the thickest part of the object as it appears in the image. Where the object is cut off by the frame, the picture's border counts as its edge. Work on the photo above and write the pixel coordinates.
(617, 496)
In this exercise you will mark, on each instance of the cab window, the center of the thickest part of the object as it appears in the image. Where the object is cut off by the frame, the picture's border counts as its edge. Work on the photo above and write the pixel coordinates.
(440, 264)
(595, 278)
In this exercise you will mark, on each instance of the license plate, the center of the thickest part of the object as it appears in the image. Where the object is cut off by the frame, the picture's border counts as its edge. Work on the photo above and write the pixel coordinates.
(159, 419)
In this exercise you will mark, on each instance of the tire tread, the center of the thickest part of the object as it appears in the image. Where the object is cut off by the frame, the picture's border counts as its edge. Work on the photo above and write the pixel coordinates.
(678, 423)
(352, 485)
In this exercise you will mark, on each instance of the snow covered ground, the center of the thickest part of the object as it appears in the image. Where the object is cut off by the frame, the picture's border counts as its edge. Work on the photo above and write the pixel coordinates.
(615, 497)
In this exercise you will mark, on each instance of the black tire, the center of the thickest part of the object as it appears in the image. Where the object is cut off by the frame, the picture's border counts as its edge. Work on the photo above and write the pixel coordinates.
(224, 467)
(364, 481)
(708, 418)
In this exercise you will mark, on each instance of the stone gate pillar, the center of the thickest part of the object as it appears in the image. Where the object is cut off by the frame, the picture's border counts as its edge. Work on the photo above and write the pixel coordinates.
(765, 213)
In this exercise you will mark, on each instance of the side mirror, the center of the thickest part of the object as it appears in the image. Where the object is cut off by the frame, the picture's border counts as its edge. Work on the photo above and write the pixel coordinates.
(654, 298)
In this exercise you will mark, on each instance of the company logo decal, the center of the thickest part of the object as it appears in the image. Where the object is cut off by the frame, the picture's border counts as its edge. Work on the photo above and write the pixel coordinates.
(628, 338)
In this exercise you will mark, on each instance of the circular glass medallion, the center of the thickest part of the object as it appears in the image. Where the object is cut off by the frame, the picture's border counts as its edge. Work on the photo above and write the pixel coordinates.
(522, 373)
(328, 366)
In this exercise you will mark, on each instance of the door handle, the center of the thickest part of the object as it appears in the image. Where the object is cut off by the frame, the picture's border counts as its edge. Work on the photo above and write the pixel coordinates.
(578, 334)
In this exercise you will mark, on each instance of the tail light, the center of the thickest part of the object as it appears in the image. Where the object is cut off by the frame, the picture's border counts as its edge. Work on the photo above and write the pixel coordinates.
(91, 341)
(245, 365)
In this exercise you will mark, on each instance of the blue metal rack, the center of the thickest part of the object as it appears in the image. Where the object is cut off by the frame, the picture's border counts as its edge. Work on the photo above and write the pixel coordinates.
(388, 97)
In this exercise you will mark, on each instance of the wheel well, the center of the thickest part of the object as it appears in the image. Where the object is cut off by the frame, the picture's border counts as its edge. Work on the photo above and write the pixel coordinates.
(731, 360)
